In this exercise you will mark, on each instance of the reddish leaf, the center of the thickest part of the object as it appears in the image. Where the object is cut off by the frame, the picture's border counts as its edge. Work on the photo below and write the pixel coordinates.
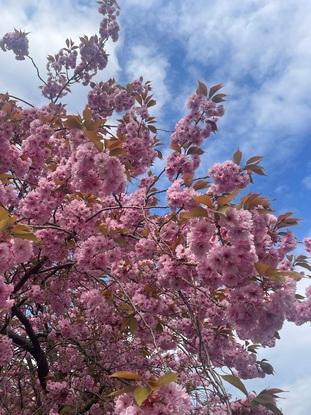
(219, 98)
(237, 157)
(202, 89)
(195, 150)
(214, 89)
(255, 159)
(124, 374)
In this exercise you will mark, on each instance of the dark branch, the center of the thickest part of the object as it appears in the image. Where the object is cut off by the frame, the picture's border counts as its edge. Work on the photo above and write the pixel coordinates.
(35, 350)
(22, 100)
(27, 275)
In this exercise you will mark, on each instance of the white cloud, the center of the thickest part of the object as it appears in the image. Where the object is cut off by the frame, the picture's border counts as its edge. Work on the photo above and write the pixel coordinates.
(298, 402)
(49, 23)
(153, 67)
(146, 4)
(290, 359)
(259, 49)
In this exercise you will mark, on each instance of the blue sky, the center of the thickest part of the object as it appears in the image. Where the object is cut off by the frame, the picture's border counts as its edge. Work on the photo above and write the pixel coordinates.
(260, 50)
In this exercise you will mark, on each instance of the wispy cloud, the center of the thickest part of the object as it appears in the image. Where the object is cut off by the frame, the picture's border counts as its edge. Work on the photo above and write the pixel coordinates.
(299, 402)
(290, 359)
(49, 24)
(259, 49)
(146, 4)
(153, 66)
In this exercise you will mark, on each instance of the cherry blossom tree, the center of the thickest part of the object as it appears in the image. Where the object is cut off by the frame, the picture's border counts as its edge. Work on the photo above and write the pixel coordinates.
(132, 300)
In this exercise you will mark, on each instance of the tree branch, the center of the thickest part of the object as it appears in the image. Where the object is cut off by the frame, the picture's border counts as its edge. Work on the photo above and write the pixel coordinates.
(24, 279)
(35, 350)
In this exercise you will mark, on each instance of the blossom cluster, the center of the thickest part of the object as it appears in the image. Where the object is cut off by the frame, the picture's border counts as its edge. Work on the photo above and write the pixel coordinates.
(80, 257)
(228, 176)
(171, 400)
(189, 134)
(91, 52)
(17, 42)
(105, 97)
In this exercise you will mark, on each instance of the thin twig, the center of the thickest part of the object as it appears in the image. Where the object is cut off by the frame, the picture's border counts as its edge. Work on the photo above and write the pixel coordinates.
(37, 69)
(22, 100)
(105, 209)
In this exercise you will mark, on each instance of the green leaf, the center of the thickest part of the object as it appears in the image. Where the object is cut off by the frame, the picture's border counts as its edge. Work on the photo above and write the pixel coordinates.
(119, 392)
(4, 223)
(67, 410)
(235, 381)
(124, 374)
(4, 214)
(153, 384)
(141, 394)
(222, 210)
(5, 219)
(117, 151)
(167, 378)
(196, 212)
(23, 232)
(263, 268)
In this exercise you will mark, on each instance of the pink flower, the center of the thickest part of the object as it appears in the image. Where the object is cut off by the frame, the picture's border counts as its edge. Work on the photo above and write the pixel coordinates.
(307, 242)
